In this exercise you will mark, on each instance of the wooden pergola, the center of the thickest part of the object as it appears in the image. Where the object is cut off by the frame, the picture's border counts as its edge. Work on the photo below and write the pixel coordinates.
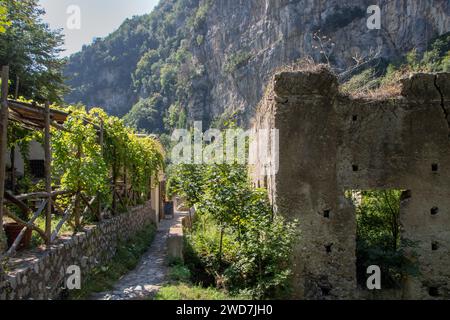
(35, 117)
(41, 117)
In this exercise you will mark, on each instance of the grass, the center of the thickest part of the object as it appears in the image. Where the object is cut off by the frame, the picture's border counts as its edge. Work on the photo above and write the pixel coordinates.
(181, 287)
(179, 273)
(128, 254)
(185, 291)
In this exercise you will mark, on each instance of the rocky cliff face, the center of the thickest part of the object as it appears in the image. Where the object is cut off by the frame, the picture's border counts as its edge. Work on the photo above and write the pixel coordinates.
(237, 44)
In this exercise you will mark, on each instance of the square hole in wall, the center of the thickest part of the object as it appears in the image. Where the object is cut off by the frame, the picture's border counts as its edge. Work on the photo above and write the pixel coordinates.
(325, 291)
(434, 211)
(328, 248)
(434, 246)
(435, 167)
(37, 168)
(327, 214)
(355, 118)
(433, 291)
(355, 168)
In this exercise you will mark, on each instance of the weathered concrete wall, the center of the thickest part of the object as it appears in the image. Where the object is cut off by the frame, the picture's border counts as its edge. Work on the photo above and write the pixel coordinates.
(42, 274)
(175, 240)
(330, 143)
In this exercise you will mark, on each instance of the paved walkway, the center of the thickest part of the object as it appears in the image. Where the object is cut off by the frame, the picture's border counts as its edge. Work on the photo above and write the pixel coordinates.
(150, 274)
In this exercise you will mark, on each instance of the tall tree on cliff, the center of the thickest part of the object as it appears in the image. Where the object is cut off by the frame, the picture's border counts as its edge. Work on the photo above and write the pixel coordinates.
(31, 50)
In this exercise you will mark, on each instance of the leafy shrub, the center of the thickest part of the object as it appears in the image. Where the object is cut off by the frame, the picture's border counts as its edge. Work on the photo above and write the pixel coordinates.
(178, 273)
(236, 239)
(387, 83)
(186, 180)
(236, 61)
(198, 20)
(378, 238)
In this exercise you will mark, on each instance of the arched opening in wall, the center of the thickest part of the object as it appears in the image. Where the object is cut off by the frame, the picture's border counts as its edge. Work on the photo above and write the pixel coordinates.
(378, 236)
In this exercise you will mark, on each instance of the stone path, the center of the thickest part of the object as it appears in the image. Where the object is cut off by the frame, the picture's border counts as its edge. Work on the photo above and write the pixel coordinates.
(150, 274)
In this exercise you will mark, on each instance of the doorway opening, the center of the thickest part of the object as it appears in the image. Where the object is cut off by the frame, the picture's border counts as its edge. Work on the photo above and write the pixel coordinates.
(378, 236)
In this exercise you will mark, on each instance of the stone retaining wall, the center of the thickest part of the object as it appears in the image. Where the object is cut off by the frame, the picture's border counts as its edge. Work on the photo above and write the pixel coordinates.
(41, 274)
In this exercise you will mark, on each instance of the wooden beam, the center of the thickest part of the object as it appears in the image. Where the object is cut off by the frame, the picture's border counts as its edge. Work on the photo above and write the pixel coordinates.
(48, 172)
(121, 201)
(3, 137)
(16, 94)
(25, 223)
(37, 195)
(76, 210)
(65, 218)
(17, 202)
(29, 225)
(13, 168)
(37, 109)
(101, 142)
(89, 203)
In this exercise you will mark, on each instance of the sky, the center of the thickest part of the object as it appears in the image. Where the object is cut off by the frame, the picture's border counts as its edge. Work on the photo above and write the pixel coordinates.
(84, 20)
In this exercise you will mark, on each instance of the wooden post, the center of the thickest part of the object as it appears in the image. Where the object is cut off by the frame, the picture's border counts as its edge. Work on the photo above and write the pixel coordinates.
(101, 142)
(76, 210)
(114, 178)
(13, 169)
(48, 172)
(125, 182)
(13, 148)
(16, 94)
(4, 113)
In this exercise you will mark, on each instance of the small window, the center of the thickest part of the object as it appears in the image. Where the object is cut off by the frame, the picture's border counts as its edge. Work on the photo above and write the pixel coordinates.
(355, 168)
(325, 291)
(433, 291)
(326, 214)
(434, 246)
(37, 168)
(435, 167)
(355, 118)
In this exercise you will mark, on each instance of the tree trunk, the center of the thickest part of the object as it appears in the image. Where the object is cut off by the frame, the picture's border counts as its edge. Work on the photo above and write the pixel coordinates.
(222, 230)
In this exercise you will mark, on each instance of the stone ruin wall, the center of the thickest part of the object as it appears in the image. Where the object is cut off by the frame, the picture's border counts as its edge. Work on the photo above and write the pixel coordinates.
(330, 143)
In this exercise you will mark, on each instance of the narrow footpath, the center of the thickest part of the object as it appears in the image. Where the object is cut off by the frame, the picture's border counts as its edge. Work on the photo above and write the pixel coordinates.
(150, 274)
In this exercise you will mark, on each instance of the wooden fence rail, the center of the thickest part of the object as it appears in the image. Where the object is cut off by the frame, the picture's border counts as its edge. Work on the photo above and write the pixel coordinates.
(29, 224)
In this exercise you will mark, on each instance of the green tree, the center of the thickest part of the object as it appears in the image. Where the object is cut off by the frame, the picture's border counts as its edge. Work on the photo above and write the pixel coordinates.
(237, 238)
(3, 18)
(187, 180)
(77, 156)
(378, 237)
(31, 50)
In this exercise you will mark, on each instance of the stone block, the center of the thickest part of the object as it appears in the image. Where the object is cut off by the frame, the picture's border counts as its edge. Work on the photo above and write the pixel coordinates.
(175, 243)
(317, 82)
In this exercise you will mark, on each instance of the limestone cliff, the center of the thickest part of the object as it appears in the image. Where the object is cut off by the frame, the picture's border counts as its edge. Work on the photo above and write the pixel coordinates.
(201, 58)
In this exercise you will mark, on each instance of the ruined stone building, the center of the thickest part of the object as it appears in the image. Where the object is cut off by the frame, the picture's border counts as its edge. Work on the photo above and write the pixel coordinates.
(330, 143)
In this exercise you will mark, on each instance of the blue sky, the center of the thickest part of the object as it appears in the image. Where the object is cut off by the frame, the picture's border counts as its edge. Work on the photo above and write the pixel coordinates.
(98, 18)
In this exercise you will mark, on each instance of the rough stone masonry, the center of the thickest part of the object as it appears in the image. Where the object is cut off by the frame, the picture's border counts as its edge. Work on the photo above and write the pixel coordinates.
(41, 274)
(330, 143)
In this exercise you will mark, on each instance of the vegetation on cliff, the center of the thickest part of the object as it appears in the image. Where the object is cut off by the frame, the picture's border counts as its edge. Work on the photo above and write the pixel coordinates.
(152, 65)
